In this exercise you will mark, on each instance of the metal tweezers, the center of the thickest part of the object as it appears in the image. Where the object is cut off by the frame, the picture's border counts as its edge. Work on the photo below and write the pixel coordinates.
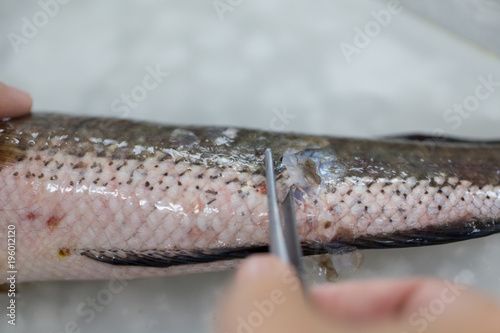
(284, 241)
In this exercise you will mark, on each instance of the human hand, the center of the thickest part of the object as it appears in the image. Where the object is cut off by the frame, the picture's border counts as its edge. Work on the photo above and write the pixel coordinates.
(13, 102)
(265, 297)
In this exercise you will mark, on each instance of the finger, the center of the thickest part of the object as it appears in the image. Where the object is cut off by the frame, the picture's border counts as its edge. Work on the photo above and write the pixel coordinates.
(266, 297)
(364, 301)
(14, 102)
(415, 305)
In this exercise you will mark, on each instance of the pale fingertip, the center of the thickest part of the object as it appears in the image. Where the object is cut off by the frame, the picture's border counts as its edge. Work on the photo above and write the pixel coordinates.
(259, 266)
(14, 102)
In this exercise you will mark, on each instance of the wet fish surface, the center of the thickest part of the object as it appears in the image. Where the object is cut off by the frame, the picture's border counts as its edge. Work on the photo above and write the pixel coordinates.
(95, 198)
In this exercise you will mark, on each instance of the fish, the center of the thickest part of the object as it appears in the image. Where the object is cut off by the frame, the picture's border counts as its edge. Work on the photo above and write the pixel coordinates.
(99, 198)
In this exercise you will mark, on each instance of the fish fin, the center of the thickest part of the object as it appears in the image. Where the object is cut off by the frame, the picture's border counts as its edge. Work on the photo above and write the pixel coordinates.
(439, 139)
(166, 258)
(452, 232)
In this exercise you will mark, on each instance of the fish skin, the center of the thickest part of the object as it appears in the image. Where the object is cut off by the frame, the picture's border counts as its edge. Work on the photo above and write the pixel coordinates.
(95, 198)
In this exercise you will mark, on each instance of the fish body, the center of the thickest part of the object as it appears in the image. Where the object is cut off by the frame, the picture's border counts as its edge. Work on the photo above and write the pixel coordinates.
(95, 198)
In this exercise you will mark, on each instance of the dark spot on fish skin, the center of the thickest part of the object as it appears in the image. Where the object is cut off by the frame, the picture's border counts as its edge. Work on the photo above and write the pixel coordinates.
(71, 183)
(349, 192)
(129, 181)
(160, 182)
(179, 183)
(420, 202)
(200, 176)
(60, 166)
(95, 181)
(426, 192)
(81, 180)
(366, 208)
(113, 178)
(433, 183)
(94, 165)
(28, 174)
(105, 184)
(31, 216)
(110, 163)
(165, 174)
(38, 158)
(390, 220)
(214, 177)
(398, 192)
(166, 188)
(164, 158)
(31, 158)
(99, 171)
(121, 166)
(151, 188)
(326, 224)
(439, 207)
(40, 175)
(211, 192)
(79, 165)
(63, 252)
(183, 173)
(147, 184)
(208, 203)
(197, 187)
(156, 166)
(487, 197)
(382, 191)
(343, 233)
(53, 177)
(53, 222)
(16, 173)
(439, 191)
(119, 183)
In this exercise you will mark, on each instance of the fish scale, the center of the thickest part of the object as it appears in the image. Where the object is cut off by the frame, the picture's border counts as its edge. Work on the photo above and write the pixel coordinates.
(96, 198)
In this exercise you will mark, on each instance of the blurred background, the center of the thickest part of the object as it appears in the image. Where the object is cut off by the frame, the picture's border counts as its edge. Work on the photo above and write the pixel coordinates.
(362, 68)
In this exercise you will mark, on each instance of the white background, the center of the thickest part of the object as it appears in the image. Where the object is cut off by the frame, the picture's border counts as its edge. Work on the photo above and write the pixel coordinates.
(263, 56)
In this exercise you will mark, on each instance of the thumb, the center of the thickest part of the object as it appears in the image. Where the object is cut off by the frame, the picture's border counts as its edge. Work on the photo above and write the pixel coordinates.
(265, 297)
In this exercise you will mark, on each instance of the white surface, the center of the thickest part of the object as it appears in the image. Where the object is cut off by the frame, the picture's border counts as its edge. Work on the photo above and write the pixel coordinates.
(263, 56)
